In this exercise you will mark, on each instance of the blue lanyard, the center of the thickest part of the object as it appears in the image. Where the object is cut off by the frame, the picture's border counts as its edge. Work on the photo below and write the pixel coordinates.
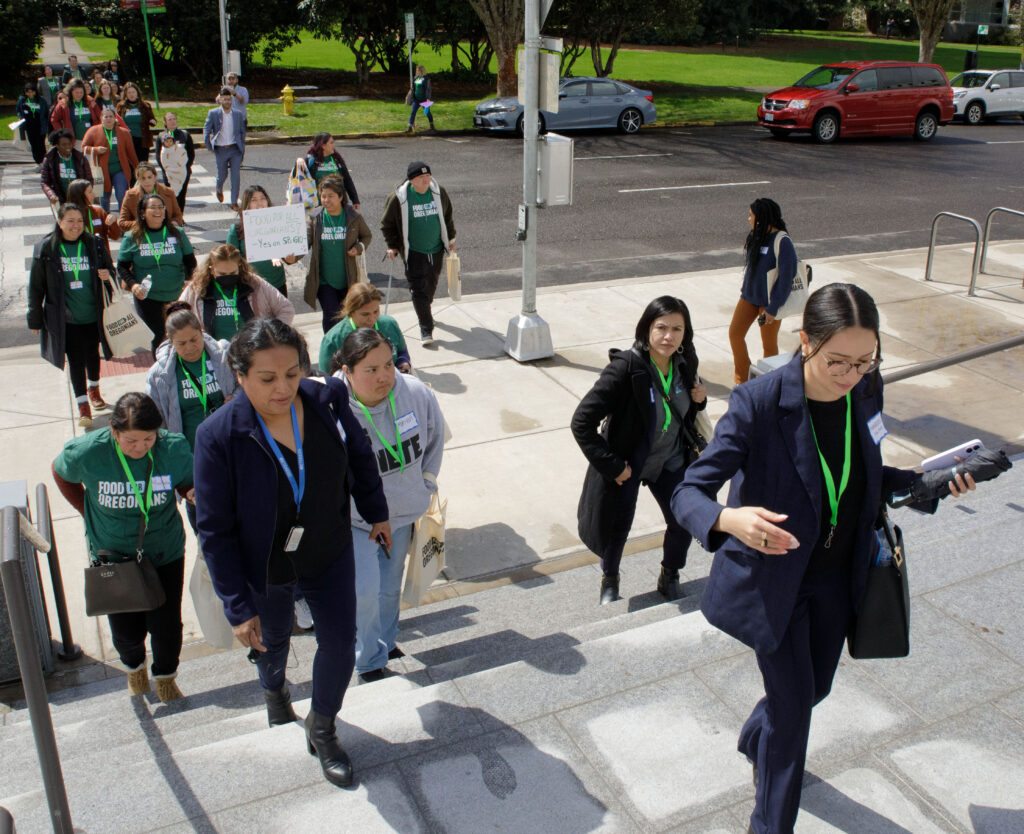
(300, 488)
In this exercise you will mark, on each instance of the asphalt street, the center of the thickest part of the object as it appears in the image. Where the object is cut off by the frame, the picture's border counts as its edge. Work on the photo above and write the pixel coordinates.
(664, 201)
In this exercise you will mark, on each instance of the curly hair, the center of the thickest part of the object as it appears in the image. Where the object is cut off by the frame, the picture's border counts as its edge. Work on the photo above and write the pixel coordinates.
(203, 276)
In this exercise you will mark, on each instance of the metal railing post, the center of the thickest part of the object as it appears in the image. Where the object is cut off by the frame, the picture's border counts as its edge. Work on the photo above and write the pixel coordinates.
(988, 230)
(70, 651)
(13, 580)
(976, 264)
(952, 359)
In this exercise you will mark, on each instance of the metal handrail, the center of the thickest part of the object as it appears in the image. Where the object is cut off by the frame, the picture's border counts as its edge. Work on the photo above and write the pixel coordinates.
(953, 359)
(70, 651)
(12, 576)
(988, 229)
(975, 267)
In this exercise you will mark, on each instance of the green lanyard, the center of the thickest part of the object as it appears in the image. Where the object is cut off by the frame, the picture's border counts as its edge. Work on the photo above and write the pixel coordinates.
(163, 243)
(666, 385)
(329, 224)
(201, 393)
(350, 321)
(830, 483)
(143, 505)
(110, 138)
(397, 455)
(75, 268)
(231, 302)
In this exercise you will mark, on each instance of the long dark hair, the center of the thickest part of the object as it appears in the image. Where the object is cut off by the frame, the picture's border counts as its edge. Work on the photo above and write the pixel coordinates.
(316, 150)
(135, 411)
(836, 307)
(767, 214)
(243, 204)
(663, 305)
(264, 334)
(140, 228)
(76, 195)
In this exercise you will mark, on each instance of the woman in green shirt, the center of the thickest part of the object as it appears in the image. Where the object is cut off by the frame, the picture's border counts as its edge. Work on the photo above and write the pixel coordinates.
(362, 309)
(271, 271)
(154, 261)
(138, 117)
(78, 113)
(323, 161)
(122, 479)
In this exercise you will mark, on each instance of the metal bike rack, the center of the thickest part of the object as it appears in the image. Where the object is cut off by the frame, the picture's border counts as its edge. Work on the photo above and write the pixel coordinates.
(976, 265)
(988, 229)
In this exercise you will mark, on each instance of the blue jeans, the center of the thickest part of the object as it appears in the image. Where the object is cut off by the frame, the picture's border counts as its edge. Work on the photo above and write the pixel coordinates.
(332, 601)
(378, 588)
(416, 105)
(229, 157)
(120, 185)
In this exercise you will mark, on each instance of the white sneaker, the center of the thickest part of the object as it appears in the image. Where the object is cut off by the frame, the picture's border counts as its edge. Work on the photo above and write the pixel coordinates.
(303, 616)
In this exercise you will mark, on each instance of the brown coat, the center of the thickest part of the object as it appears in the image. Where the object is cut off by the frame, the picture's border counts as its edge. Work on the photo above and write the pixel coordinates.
(130, 206)
(96, 138)
(356, 231)
(147, 116)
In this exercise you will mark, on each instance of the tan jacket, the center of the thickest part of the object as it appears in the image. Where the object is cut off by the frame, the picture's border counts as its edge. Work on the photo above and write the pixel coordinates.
(356, 231)
(130, 206)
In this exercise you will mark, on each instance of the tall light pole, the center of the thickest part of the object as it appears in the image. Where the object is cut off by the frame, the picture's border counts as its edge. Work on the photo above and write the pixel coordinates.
(528, 336)
(224, 69)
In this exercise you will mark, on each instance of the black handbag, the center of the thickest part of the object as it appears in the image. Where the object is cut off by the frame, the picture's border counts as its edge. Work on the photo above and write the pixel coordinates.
(123, 587)
(881, 624)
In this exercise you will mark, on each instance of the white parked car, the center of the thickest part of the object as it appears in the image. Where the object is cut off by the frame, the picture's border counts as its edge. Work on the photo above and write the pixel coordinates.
(987, 94)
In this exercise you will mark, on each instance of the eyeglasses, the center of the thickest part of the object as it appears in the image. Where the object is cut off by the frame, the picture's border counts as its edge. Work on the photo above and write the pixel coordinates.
(839, 367)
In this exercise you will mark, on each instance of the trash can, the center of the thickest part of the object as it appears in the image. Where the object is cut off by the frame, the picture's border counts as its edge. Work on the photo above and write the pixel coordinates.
(15, 494)
(970, 60)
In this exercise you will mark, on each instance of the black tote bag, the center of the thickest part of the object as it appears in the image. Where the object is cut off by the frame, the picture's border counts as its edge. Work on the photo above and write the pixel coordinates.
(881, 625)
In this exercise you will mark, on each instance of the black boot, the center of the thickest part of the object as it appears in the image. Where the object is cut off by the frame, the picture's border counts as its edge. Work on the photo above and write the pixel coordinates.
(668, 585)
(609, 588)
(279, 707)
(322, 738)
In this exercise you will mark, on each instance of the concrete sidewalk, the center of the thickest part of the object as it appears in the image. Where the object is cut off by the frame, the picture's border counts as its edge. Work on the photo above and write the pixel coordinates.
(512, 472)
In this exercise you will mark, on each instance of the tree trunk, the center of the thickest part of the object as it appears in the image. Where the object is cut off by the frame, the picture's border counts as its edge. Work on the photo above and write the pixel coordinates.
(931, 18)
(503, 20)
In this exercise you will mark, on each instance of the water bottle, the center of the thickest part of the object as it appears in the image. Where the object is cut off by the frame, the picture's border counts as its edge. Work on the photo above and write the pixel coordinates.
(147, 285)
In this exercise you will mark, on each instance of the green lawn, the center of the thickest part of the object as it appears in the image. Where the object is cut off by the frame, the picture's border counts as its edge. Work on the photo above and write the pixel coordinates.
(102, 49)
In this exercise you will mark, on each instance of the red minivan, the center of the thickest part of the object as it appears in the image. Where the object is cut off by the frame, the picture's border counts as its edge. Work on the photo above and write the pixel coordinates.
(857, 98)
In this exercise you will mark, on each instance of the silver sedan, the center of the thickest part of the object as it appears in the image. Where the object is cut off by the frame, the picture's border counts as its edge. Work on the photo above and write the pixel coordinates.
(582, 103)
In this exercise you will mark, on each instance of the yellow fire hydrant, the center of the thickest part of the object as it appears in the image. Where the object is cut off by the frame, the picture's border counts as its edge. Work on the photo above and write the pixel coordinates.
(288, 97)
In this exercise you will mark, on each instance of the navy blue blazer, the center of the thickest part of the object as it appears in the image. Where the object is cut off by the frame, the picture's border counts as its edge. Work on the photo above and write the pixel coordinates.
(765, 445)
(236, 489)
(215, 122)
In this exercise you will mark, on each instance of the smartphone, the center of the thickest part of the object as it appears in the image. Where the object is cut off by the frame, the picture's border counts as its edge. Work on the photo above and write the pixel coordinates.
(948, 459)
(383, 546)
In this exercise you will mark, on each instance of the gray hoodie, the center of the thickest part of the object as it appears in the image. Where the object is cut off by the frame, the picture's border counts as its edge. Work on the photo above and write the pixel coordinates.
(422, 426)
(162, 383)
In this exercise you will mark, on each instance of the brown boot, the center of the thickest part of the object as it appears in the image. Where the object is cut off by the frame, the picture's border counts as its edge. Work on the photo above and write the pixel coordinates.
(84, 415)
(95, 399)
(138, 680)
(167, 689)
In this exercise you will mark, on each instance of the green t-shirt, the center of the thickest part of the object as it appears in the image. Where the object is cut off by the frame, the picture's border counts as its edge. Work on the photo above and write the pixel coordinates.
(133, 119)
(273, 275)
(81, 118)
(113, 160)
(111, 508)
(419, 88)
(169, 274)
(332, 252)
(189, 399)
(327, 168)
(424, 223)
(336, 336)
(66, 171)
(77, 271)
(227, 321)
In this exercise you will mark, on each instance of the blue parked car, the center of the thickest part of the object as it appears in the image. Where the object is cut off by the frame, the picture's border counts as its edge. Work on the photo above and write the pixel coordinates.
(582, 103)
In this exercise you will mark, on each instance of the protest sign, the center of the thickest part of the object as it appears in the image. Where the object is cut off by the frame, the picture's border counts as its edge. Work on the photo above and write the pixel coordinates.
(274, 232)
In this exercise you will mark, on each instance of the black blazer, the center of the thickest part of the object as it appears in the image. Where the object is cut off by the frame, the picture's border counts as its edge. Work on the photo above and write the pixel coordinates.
(765, 447)
(623, 398)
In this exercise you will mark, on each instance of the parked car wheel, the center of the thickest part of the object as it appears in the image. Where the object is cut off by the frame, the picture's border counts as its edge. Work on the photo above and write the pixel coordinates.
(975, 113)
(630, 120)
(826, 128)
(926, 126)
(779, 132)
(540, 123)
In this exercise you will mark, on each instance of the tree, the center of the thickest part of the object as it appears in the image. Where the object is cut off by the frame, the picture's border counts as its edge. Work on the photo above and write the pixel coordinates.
(504, 21)
(932, 16)
(455, 26)
(21, 34)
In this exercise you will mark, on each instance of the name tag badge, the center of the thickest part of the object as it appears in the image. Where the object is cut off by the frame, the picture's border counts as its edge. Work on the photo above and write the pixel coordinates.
(764, 250)
(407, 422)
(76, 285)
(877, 428)
(291, 544)
(96, 222)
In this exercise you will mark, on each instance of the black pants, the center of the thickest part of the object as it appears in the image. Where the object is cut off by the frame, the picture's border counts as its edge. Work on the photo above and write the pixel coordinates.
(180, 196)
(422, 272)
(152, 313)
(677, 539)
(38, 143)
(82, 348)
(330, 300)
(141, 149)
(163, 625)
